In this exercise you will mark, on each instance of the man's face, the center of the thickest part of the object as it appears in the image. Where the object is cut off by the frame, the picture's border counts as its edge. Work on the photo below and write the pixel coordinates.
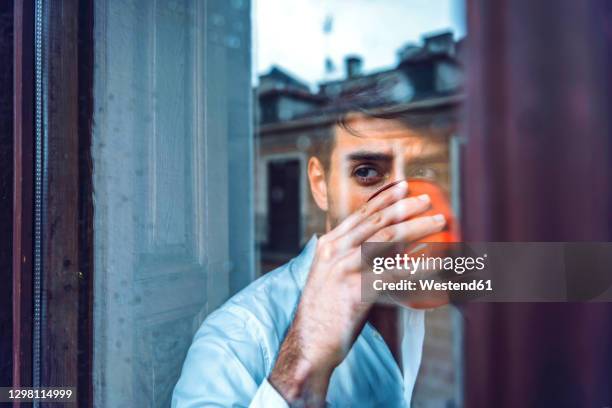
(373, 153)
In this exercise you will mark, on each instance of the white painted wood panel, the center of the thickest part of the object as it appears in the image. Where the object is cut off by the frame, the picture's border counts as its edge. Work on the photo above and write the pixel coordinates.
(173, 233)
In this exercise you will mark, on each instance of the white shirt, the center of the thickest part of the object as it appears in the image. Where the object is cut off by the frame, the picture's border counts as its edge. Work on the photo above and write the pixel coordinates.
(234, 351)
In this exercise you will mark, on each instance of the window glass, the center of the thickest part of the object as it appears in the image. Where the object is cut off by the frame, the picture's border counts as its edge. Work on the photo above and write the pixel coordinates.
(317, 61)
(202, 144)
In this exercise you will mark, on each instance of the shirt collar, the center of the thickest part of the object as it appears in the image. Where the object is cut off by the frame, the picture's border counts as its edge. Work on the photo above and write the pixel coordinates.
(300, 266)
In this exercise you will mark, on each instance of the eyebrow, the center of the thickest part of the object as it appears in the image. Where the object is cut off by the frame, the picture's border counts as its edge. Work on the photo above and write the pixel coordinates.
(370, 156)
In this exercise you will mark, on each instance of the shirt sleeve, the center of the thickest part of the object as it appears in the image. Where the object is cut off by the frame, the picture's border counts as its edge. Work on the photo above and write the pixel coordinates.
(267, 396)
(225, 367)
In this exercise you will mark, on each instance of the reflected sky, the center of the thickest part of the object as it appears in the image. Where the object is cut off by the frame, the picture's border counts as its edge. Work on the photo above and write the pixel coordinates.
(291, 32)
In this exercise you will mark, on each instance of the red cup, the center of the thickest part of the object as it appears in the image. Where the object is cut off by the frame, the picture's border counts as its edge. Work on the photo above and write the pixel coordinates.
(440, 204)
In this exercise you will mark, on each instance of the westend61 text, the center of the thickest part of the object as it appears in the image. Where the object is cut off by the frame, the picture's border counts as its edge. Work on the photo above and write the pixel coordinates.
(433, 285)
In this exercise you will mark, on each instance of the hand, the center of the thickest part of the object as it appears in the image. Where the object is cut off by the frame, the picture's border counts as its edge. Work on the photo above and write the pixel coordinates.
(331, 314)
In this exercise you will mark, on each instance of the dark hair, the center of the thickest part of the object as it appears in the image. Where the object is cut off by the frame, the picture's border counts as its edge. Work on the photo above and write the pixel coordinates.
(374, 101)
(323, 150)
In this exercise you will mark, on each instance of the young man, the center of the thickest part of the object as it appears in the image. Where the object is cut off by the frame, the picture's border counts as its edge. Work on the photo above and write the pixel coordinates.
(300, 336)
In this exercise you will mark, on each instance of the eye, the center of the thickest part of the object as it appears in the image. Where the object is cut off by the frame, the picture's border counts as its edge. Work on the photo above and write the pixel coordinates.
(424, 173)
(367, 175)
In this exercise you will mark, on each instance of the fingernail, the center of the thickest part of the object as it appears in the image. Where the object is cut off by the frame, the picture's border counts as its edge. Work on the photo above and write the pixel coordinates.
(439, 219)
(401, 188)
(402, 184)
(424, 198)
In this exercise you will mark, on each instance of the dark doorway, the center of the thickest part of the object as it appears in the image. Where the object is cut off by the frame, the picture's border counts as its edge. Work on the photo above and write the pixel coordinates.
(283, 208)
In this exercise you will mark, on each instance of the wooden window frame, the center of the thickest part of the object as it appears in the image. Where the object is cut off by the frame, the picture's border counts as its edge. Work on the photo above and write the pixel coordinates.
(23, 148)
(67, 231)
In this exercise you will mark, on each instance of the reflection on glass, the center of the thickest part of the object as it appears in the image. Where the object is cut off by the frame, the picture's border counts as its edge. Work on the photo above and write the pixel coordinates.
(380, 119)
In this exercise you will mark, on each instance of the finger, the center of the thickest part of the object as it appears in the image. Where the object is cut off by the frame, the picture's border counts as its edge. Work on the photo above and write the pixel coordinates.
(410, 230)
(379, 202)
(396, 213)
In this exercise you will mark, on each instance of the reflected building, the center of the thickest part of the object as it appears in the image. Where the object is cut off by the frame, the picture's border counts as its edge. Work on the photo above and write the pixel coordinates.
(293, 121)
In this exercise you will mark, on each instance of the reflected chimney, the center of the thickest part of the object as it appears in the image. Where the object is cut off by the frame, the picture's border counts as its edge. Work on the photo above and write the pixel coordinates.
(441, 43)
(354, 65)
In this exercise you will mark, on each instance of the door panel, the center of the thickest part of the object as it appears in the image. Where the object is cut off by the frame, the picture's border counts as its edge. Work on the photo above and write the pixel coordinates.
(163, 259)
(284, 206)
